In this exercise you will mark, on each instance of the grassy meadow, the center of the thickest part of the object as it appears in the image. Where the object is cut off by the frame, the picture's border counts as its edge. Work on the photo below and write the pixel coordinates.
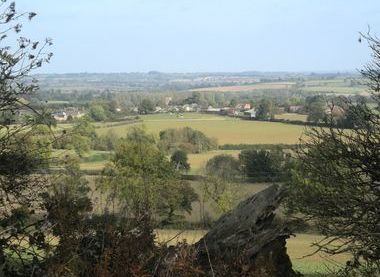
(227, 130)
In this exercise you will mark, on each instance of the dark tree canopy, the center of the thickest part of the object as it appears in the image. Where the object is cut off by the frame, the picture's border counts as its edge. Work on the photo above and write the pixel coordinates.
(146, 106)
(265, 109)
(223, 166)
(179, 160)
(315, 107)
(263, 165)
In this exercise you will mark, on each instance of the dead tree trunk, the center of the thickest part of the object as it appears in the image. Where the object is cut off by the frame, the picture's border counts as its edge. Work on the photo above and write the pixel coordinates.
(249, 240)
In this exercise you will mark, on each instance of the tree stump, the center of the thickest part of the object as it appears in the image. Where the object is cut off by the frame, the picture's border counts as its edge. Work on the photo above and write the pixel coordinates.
(250, 240)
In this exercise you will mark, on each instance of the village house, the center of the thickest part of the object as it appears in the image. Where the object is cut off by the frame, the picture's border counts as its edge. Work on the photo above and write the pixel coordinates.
(211, 109)
(187, 108)
(67, 113)
(250, 113)
(247, 106)
(229, 111)
(295, 108)
(60, 116)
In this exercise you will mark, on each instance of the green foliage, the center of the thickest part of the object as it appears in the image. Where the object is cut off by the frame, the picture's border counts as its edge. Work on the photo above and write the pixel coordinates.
(180, 161)
(222, 194)
(89, 244)
(81, 138)
(144, 181)
(223, 166)
(263, 165)
(315, 107)
(67, 202)
(140, 136)
(186, 139)
(97, 112)
(106, 142)
(265, 109)
(146, 106)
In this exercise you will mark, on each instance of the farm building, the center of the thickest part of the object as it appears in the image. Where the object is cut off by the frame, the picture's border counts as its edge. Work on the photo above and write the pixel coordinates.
(211, 109)
(295, 108)
(60, 116)
(68, 113)
(250, 113)
(246, 106)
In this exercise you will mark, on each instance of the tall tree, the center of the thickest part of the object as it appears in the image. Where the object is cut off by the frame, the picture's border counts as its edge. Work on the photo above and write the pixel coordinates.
(263, 165)
(146, 106)
(223, 166)
(180, 161)
(145, 183)
(315, 107)
(337, 182)
(20, 156)
(265, 109)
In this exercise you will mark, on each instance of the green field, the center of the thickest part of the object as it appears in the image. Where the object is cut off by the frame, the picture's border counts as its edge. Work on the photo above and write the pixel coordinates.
(198, 161)
(335, 86)
(227, 130)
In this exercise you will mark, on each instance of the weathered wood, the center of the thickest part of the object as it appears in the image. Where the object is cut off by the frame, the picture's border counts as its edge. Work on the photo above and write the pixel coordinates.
(249, 240)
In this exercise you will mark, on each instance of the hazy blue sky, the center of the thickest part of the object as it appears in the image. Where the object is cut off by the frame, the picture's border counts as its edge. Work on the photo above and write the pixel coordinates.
(204, 35)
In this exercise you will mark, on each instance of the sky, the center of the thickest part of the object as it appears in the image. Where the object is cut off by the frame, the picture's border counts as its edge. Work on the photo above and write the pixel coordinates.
(203, 35)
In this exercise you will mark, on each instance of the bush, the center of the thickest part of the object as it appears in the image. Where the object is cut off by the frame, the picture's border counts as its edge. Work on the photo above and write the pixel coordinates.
(179, 160)
(223, 166)
(264, 166)
(186, 139)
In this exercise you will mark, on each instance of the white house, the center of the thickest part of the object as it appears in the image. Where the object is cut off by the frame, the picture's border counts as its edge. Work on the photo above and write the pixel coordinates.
(250, 113)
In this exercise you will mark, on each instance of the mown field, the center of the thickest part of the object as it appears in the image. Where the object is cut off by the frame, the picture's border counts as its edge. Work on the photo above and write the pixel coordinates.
(335, 86)
(248, 88)
(339, 86)
(226, 130)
